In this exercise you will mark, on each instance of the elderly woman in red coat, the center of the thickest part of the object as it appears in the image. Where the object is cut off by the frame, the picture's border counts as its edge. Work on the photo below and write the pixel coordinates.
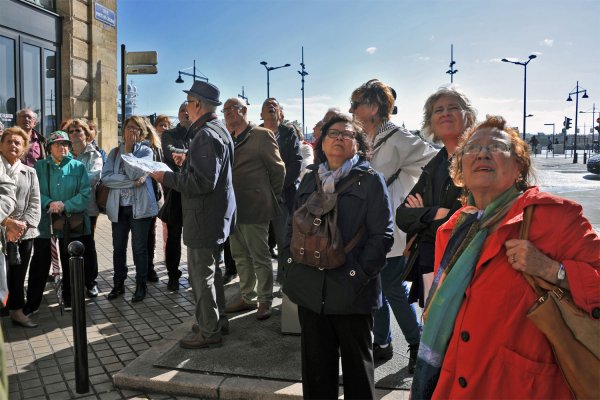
(477, 341)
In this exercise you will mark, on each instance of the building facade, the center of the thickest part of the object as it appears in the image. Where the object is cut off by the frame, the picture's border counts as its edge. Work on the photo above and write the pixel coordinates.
(59, 58)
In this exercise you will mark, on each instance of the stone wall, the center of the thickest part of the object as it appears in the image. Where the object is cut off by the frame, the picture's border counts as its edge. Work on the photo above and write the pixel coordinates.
(89, 67)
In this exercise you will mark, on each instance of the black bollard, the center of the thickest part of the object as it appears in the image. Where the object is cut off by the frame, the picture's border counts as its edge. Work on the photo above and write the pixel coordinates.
(82, 381)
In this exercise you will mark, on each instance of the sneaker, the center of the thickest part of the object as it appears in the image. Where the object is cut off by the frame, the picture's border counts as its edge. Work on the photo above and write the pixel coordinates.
(264, 311)
(197, 341)
(93, 292)
(413, 350)
(173, 284)
(383, 353)
(239, 305)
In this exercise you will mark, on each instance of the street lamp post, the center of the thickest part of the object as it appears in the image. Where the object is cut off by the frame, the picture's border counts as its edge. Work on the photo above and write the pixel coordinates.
(576, 92)
(524, 64)
(243, 96)
(193, 74)
(552, 140)
(593, 122)
(452, 71)
(269, 69)
(303, 73)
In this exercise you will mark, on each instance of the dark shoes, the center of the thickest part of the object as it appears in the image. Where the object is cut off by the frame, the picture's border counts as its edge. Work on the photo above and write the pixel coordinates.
(228, 277)
(118, 290)
(152, 276)
(67, 304)
(93, 292)
(173, 284)
(197, 341)
(140, 293)
(382, 353)
(413, 350)
(223, 322)
(239, 305)
(20, 319)
(264, 311)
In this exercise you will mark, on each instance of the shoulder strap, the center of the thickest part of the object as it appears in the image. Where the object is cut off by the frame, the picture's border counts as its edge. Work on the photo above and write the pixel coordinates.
(351, 181)
(393, 177)
(524, 234)
(385, 138)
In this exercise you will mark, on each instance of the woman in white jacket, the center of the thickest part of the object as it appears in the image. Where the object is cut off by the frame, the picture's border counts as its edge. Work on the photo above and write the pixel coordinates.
(400, 156)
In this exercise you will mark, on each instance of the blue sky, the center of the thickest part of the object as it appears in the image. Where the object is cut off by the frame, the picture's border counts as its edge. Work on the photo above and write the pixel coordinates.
(403, 43)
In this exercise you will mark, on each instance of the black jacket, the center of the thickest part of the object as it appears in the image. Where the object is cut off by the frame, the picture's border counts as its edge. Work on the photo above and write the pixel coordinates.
(289, 149)
(420, 220)
(175, 137)
(355, 287)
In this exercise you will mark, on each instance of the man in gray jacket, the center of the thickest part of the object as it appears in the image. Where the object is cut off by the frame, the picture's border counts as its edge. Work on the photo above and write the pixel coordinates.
(258, 174)
(208, 205)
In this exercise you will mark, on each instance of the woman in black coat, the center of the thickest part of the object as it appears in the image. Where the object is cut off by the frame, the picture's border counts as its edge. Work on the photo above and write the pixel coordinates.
(447, 114)
(335, 306)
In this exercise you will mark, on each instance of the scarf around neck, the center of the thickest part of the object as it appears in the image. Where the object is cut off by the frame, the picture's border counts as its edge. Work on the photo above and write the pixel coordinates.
(11, 170)
(329, 178)
(449, 285)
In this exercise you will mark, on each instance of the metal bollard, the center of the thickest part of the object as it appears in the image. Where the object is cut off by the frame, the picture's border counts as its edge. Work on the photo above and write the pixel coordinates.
(82, 381)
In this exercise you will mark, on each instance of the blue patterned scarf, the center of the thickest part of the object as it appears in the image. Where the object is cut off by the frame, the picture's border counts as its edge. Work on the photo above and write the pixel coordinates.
(329, 178)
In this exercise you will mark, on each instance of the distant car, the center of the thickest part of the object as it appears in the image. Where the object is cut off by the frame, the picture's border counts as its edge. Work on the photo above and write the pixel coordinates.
(593, 164)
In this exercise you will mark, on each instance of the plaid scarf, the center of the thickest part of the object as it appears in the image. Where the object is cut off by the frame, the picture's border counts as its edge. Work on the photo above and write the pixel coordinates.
(449, 285)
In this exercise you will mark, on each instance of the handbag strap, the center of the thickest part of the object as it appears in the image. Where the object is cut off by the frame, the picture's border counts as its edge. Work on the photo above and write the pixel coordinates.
(524, 234)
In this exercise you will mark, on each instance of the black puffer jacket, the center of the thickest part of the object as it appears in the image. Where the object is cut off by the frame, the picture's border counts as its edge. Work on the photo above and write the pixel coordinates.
(355, 287)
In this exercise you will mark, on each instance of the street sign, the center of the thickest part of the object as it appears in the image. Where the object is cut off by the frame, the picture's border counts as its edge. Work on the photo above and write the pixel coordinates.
(141, 58)
(141, 69)
(104, 14)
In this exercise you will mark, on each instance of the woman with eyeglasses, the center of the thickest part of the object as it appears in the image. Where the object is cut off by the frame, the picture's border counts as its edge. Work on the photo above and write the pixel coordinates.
(131, 206)
(477, 341)
(84, 151)
(447, 114)
(336, 306)
(399, 156)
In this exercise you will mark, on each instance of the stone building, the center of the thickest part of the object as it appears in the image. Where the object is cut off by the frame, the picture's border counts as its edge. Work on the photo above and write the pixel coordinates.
(59, 58)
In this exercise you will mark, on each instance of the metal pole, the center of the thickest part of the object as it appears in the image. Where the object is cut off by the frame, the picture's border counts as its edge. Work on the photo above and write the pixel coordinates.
(194, 72)
(268, 93)
(576, 111)
(524, 99)
(123, 84)
(451, 63)
(82, 380)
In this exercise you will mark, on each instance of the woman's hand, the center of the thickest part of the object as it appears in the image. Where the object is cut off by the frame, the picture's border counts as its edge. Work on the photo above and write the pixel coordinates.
(56, 207)
(524, 256)
(140, 181)
(130, 139)
(414, 201)
(15, 229)
(158, 176)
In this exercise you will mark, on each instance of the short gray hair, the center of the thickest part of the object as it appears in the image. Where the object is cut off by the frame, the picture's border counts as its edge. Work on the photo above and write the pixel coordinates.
(463, 101)
(24, 110)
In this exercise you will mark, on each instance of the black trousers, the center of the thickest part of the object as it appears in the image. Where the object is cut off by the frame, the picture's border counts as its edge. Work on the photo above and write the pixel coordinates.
(324, 338)
(173, 250)
(40, 268)
(15, 276)
(152, 245)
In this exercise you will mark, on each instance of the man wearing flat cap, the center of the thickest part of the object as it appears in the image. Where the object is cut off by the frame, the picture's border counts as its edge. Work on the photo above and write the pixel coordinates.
(208, 205)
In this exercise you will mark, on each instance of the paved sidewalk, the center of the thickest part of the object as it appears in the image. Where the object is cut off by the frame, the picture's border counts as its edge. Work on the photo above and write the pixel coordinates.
(40, 361)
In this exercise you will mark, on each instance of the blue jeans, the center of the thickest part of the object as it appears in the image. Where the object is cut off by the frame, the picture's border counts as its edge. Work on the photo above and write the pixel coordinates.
(140, 229)
(395, 295)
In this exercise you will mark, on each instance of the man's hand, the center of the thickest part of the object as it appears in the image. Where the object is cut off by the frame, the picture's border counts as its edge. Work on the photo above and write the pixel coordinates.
(179, 158)
(158, 175)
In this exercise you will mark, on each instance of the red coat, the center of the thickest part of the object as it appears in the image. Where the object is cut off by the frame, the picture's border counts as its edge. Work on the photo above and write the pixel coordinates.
(495, 351)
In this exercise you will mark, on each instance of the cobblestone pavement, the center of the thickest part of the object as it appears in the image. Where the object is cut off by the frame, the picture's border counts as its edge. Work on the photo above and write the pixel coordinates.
(40, 361)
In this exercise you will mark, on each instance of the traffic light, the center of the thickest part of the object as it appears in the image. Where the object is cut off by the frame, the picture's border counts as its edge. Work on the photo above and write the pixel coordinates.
(567, 123)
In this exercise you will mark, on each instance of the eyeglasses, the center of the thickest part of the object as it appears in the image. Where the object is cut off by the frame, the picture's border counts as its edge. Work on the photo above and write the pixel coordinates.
(346, 135)
(492, 148)
(132, 128)
(449, 109)
(190, 102)
(226, 109)
(354, 104)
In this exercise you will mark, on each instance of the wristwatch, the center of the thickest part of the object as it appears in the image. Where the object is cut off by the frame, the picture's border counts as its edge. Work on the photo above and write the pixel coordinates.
(561, 275)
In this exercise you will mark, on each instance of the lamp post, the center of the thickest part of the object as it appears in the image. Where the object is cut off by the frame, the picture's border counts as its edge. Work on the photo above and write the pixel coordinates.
(269, 69)
(524, 64)
(593, 121)
(452, 71)
(576, 92)
(201, 77)
(243, 96)
(553, 127)
(303, 73)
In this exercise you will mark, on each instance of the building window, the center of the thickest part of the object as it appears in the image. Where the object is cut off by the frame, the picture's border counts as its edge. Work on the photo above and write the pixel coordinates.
(8, 103)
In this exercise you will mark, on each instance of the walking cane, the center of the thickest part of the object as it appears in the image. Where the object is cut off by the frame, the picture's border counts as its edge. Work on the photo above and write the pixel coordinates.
(56, 266)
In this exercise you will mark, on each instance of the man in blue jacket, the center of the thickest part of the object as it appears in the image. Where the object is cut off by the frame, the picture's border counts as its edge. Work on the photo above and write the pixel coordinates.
(208, 205)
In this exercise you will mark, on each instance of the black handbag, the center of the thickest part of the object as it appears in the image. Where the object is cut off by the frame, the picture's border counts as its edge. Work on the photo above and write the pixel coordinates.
(171, 212)
(71, 221)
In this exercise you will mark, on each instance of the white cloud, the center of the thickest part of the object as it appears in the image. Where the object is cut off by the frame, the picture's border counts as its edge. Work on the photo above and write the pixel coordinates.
(495, 60)
(371, 50)
(431, 38)
(547, 42)
(537, 53)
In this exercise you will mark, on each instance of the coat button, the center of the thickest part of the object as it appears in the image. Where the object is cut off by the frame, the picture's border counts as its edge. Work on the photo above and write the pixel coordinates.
(289, 260)
(465, 336)
(596, 313)
(352, 272)
(462, 382)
